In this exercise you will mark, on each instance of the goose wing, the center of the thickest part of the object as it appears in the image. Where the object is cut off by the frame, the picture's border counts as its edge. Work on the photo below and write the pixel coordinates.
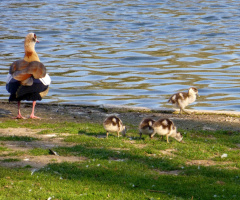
(24, 71)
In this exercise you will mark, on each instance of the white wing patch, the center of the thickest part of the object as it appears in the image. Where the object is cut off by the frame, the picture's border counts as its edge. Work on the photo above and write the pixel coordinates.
(164, 122)
(114, 120)
(46, 80)
(181, 94)
(174, 97)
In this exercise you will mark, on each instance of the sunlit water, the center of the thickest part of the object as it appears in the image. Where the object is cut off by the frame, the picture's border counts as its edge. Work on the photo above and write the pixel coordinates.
(129, 52)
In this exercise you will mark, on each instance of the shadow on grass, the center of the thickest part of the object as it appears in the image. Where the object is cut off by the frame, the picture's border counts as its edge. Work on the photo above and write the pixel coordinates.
(106, 154)
(132, 177)
(135, 172)
(17, 138)
(99, 134)
(211, 180)
(138, 174)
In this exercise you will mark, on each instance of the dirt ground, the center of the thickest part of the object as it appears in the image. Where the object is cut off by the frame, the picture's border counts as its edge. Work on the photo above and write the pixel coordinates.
(131, 117)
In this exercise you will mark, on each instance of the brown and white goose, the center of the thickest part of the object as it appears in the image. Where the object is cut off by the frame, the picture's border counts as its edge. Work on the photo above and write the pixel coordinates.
(146, 127)
(166, 127)
(182, 99)
(114, 124)
(27, 78)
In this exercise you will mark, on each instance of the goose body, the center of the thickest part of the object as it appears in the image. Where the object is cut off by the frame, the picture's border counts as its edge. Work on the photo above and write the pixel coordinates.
(114, 124)
(146, 127)
(27, 78)
(183, 99)
(166, 127)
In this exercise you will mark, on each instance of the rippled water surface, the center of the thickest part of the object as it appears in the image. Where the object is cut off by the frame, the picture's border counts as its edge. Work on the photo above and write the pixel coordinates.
(129, 52)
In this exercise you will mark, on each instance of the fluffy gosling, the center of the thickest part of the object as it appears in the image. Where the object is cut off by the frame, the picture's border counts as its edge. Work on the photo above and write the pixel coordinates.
(182, 99)
(166, 127)
(145, 127)
(114, 124)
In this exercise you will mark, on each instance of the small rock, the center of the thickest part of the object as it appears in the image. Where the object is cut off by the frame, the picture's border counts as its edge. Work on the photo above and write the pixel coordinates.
(224, 155)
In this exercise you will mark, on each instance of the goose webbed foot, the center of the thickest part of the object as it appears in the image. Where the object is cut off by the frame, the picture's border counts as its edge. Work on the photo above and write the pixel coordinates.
(19, 116)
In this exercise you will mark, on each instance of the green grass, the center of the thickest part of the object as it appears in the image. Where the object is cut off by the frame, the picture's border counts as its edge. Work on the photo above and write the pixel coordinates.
(125, 167)
(11, 160)
(17, 138)
(39, 152)
(2, 148)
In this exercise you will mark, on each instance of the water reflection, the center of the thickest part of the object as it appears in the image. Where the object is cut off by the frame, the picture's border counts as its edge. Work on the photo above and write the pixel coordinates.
(129, 52)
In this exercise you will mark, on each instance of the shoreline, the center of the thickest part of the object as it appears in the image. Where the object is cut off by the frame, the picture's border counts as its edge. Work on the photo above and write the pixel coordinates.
(131, 116)
(124, 108)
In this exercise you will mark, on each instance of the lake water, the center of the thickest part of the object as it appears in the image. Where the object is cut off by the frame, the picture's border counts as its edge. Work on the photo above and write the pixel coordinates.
(129, 52)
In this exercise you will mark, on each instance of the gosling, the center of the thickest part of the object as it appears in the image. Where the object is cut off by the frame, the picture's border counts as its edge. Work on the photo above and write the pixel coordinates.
(145, 127)
(166, 127)
(114, 124)
(183, 99)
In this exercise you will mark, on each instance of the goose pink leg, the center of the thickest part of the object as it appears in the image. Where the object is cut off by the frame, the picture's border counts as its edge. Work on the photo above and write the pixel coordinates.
(32, 116)
(19, 116)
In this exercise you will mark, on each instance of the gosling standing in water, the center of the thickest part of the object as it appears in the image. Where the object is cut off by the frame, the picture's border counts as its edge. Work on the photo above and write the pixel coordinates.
(114, 124)
(183, 99)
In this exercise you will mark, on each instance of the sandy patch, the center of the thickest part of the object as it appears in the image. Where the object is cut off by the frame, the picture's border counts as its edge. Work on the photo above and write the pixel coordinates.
(44, 141)
(168, 152)
(19, 131)
(205, 162)
(39, 161)
(173, 172)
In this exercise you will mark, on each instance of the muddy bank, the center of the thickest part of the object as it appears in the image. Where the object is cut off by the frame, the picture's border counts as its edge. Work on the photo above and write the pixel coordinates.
(131, 116)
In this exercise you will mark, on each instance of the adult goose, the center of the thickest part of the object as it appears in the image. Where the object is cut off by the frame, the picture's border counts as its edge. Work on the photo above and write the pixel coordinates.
(27, 78)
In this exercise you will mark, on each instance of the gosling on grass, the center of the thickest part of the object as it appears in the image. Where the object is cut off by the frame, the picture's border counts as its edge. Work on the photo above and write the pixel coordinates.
(166, 127)
(146, 127)
(183, 99)
(114, 124)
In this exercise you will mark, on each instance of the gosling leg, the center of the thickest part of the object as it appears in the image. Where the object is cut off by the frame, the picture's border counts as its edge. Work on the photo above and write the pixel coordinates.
(107, 135)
